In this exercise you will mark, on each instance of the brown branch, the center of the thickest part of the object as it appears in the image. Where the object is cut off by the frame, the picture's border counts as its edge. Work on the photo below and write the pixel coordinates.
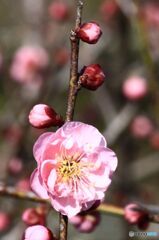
(73, 84)
(7, 191)
(73, 89)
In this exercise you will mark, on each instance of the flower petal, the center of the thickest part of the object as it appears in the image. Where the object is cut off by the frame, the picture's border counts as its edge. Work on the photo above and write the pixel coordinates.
(66, 205)
(37, 186)
(40, 145)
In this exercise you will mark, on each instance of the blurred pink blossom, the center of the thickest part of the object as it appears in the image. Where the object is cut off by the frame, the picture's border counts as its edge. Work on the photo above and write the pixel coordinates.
(4, 221)
(135, 87)
(15, 165)
(136, 216)
(38, 232)
(58, 10)
(27, 62)
(32, 217)
(141, 127)
(150, 13)
(74, 167)
(23, 185)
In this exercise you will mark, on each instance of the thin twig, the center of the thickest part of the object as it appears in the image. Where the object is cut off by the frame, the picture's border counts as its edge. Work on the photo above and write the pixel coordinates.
(73, 89)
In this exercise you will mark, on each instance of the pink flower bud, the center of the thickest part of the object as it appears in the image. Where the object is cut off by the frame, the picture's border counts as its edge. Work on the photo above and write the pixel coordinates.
(58, 11)
(4, 221)
(136, 216)
(135, 88)
(89, 32)
(38, 232)
(31, 217)
(92, 77)
(76, 220)
(42, 116)
(141, 127)
(15, 166)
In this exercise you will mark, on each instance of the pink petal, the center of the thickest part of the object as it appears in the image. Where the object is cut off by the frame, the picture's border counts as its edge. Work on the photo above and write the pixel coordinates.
(84, 134)
(51, 180)
(66, 205)
(40, 145)
(36, 185)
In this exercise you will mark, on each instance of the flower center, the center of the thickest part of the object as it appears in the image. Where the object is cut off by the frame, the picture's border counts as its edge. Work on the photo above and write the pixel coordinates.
(69, 168)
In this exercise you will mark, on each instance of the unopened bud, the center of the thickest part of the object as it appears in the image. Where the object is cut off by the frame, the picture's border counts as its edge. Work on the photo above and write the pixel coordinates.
(38, 232)
(92, 77)
(136, 216)
(31, 217)
(89, 32)
(42, 116)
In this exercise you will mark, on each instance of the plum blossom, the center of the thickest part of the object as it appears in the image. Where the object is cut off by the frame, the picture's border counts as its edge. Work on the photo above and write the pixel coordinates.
(27, 62)
(38, 232)
(74, 167)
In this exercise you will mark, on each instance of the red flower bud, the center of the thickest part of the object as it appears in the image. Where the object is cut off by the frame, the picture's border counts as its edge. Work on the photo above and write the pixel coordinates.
(92, 77)
(42, 116)
(136, 216)
(58, 11)
(31, 217)
(89, 32)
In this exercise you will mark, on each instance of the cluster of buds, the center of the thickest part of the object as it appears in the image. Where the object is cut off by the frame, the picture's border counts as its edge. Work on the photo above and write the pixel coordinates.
(92, 76)
(136, 216)
(86, 223)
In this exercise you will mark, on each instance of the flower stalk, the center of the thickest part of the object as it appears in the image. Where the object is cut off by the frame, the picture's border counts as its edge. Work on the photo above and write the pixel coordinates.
(73, 89)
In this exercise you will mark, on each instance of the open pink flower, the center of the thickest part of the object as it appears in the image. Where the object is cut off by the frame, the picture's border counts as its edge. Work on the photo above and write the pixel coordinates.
(74, 167)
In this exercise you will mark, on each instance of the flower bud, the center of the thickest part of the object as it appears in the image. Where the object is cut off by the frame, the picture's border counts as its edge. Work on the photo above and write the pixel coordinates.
(38, 232)
(154, 139)
(42, 116)
(4, 221)
(92, 77)
(136, 216)
(31, 217)
(89, 32)
(58, 11)
(135, 88)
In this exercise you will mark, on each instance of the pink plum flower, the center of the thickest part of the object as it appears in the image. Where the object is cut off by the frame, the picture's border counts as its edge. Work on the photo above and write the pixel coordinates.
(27, 62)
(135, 87)
(38, 232)
(74, 167)
(31, 216)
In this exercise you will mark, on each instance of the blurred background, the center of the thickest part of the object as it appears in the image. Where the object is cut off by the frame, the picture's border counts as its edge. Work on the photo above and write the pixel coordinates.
(34, 68)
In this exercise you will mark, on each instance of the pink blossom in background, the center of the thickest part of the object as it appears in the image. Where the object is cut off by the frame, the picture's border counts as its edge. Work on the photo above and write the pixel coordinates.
(32, 217)
(154, 139)
(58, 11)
(42, 116)
(5, 221)
(141, 127)
(15, 165)
(1, 61)
(27, 62)
(86, 223)
(108, 9)
(74, 167)
(150, 13)
(23, 185)
(38, 232)
(135, 87)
